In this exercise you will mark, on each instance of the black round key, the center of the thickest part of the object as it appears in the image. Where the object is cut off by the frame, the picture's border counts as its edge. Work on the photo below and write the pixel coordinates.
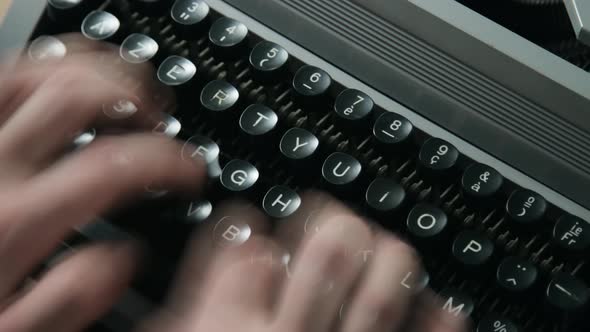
(472, 249)
(138, 48)
(194, 212)
(456, 303)
(281, 202)
(298, 144)
(100, 25)
(516, 274)
(481, 183)
(300, 154)
(353, 105)
(526, 207)
(231, 231)
(310, 83)
(567, 293)
(176, 70)
(46, 48)
(205, 148)
(150, 7)
(168, 126)
(341, 168)
(341, 175)
(427, 222)
(416, 281)
(494, 322)
(385, 195)
(239, 175)
(219, 96)
(189, 17)
(572, 233)
(390, 130)
(437, 158)
(258, 120)
(269, 61)
(228, 37)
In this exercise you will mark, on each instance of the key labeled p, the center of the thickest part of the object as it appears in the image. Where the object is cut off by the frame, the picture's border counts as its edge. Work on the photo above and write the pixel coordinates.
(473, 246)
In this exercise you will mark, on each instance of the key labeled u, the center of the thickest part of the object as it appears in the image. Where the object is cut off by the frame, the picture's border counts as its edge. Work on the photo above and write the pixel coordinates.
(341, 173)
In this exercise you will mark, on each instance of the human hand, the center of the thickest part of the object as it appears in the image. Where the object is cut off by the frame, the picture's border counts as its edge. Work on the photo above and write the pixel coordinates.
(323, 269)
(45, 192)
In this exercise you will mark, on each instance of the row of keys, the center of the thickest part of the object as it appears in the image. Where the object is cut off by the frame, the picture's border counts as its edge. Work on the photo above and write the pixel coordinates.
(481, 184)
(226, 36)
(428, 225)
(563, 293)
(341, 173)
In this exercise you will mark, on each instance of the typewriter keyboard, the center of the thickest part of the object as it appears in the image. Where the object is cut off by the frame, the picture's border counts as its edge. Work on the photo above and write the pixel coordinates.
(495, 251)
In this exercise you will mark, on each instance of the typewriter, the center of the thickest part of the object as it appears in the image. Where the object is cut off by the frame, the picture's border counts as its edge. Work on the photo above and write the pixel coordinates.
(472, 115)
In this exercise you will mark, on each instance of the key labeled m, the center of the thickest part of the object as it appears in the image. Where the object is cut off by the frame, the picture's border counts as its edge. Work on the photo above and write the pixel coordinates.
(453, 310)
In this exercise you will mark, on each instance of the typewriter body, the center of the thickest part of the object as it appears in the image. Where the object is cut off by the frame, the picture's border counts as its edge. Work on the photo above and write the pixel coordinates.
(478, 111)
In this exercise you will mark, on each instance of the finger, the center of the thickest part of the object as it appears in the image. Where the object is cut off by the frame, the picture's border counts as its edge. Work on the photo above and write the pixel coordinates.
(75, 292)
(429, 317)
(381, 300)
(244, 282)
(82, 186)
(323, 272)
(73, 43)
(231, 225)
(17, 295)
(308, 219)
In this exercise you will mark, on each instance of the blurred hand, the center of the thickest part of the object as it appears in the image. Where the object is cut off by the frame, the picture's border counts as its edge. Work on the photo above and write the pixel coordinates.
(45, 192)
(324, 269)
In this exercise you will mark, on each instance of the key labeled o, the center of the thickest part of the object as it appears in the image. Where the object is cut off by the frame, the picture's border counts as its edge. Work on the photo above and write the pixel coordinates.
(426, 221)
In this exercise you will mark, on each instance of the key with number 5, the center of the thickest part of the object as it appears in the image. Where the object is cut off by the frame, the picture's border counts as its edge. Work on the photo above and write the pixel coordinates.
(269, 62)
